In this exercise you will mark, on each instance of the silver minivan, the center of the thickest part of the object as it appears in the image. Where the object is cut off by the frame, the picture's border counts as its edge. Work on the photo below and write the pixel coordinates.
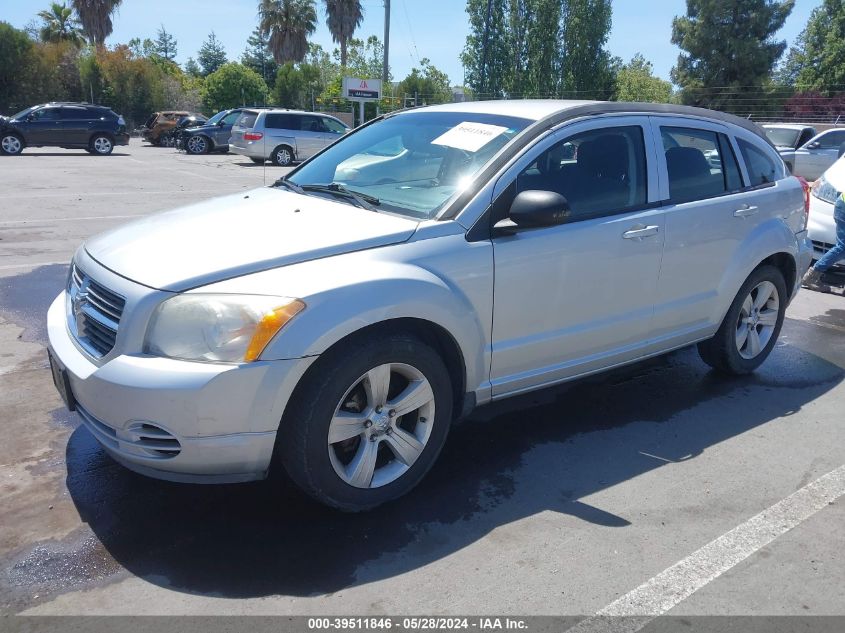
(336, 323)
(283, 136)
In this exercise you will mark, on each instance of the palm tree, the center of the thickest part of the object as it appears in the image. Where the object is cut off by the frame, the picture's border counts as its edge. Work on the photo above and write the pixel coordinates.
(342, 18)
(95, 16)
(287, 24)
(60, 25)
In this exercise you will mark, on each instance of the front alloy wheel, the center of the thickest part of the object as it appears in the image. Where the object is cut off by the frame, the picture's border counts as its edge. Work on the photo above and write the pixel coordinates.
(377, 434)
(11, 145)
(367, 421)
(197, 145)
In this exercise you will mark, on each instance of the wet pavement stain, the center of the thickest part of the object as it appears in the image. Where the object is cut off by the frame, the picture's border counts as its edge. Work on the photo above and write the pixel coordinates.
(24, 299)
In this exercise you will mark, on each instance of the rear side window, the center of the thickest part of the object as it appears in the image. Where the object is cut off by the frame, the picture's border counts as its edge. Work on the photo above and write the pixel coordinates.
(700, 164)
(762, 169)
(247, 119)
(75, 114)
(600, 172)
(281, 121)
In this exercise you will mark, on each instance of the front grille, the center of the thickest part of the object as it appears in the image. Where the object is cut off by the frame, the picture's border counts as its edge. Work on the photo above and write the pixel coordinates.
(94, 313)
(822, 246)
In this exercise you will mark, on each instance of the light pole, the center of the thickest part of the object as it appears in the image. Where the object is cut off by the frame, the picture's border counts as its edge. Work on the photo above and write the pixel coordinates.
(385, 66)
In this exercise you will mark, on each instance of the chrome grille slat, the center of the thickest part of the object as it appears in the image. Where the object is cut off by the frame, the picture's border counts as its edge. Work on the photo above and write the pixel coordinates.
(95, 313)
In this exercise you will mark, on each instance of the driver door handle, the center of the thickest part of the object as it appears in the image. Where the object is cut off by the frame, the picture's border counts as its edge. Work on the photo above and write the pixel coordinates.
(745, 211)
(640, 231)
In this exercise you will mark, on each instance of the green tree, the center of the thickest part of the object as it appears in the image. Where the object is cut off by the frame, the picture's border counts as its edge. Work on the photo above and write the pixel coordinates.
(95, 16)
(192, 68)
(729, 49)
(817, 62)
(231, 85)
(165, 44)
(427, 84)
(296, 85)
(16, 51)
(586, 68)
(487, 56)
(342, 18)
(258, 57)
(364, 59)
(59, 25)
(211, 55)
(287, 24)
(142, 48)
(635, 81)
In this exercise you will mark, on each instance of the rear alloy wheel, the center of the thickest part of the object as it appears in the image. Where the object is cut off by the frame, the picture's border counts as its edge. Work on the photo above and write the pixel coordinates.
(11, 144)
(282, 156)
(102, 145)
(368, 422)
(751, 327)
(197, 145)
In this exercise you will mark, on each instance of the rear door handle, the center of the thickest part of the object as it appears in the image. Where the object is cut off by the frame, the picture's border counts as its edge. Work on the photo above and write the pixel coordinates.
(640, 231)
(745, 211)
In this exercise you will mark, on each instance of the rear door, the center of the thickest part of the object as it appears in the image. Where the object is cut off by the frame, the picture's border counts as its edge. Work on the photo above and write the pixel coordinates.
(75, 124)
(708, 217)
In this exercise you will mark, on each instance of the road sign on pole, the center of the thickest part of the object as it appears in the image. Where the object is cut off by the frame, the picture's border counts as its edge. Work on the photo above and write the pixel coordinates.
(362, 89)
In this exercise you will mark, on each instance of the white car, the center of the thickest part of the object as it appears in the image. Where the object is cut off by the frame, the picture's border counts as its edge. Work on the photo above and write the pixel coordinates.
(821, 226)
(812, 159)
(477, 251)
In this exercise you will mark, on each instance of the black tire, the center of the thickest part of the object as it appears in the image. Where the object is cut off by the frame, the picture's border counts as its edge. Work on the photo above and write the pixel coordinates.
(302, 441)
(101, 145)
(258, 161)
(722, 352)
(11, 144)
(198, 144)
(282, 156)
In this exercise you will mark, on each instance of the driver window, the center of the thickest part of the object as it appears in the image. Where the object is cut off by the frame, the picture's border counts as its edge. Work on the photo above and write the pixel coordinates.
(599, 172)
(47, 114)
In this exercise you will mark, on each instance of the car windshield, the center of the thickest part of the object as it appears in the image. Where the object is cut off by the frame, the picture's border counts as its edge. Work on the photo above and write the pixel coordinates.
(216, 117)
(782, 136)
(23, 113)
(413, 163)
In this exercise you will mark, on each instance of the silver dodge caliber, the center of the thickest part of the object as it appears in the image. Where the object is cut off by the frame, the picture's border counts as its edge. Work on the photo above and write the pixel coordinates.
(336, 323)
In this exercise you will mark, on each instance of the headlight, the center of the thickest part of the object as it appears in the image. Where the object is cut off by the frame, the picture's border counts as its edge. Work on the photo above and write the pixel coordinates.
(218, 328)
(823, 190)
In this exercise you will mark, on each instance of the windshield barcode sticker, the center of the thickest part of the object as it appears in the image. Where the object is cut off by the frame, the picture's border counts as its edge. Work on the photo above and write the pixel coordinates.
(469, 136)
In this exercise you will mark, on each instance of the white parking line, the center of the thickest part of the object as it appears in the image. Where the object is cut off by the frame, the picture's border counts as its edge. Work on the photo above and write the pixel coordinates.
(677, 583)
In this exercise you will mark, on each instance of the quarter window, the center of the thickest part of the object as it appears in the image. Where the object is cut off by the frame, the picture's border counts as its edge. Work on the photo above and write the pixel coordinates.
(761, 168)
(700, 164)
(599, 172)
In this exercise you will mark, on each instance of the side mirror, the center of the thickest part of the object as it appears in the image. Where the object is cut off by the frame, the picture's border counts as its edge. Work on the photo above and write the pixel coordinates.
(814, 145)
(533, 209)
(221, 123)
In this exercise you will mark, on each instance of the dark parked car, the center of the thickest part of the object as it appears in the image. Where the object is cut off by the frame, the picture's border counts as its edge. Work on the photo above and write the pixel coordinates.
(170, 138)
(213, 136)
(94, 128)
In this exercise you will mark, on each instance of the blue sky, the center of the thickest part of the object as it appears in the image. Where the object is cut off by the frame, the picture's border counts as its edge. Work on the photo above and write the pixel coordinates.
(436, 29)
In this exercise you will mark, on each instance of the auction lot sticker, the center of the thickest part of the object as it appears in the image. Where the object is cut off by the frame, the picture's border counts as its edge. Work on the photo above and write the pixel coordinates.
(469, 136)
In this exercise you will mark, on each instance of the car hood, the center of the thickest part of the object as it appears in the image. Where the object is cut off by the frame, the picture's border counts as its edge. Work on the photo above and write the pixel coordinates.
(199, 129)
(241, 234)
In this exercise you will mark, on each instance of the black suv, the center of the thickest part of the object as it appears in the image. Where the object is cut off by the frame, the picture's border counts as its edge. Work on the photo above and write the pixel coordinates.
(96, 129)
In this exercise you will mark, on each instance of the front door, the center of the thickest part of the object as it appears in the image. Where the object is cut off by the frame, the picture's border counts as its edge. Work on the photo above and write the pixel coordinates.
(43, 127)
(224, 128)
(577, 297)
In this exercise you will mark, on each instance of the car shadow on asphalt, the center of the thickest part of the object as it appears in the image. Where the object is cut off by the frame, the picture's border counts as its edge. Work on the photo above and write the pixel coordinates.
(536, 453)
(540, 452)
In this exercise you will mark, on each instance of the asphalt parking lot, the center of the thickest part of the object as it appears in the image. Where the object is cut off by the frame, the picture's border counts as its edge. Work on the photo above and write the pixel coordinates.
(662, 487)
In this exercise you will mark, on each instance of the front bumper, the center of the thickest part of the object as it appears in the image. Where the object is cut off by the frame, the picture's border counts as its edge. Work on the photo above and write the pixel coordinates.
(177, 420)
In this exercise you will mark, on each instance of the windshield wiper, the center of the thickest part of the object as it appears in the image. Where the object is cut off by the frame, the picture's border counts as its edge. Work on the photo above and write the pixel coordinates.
(281, 182)
(363, 200)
